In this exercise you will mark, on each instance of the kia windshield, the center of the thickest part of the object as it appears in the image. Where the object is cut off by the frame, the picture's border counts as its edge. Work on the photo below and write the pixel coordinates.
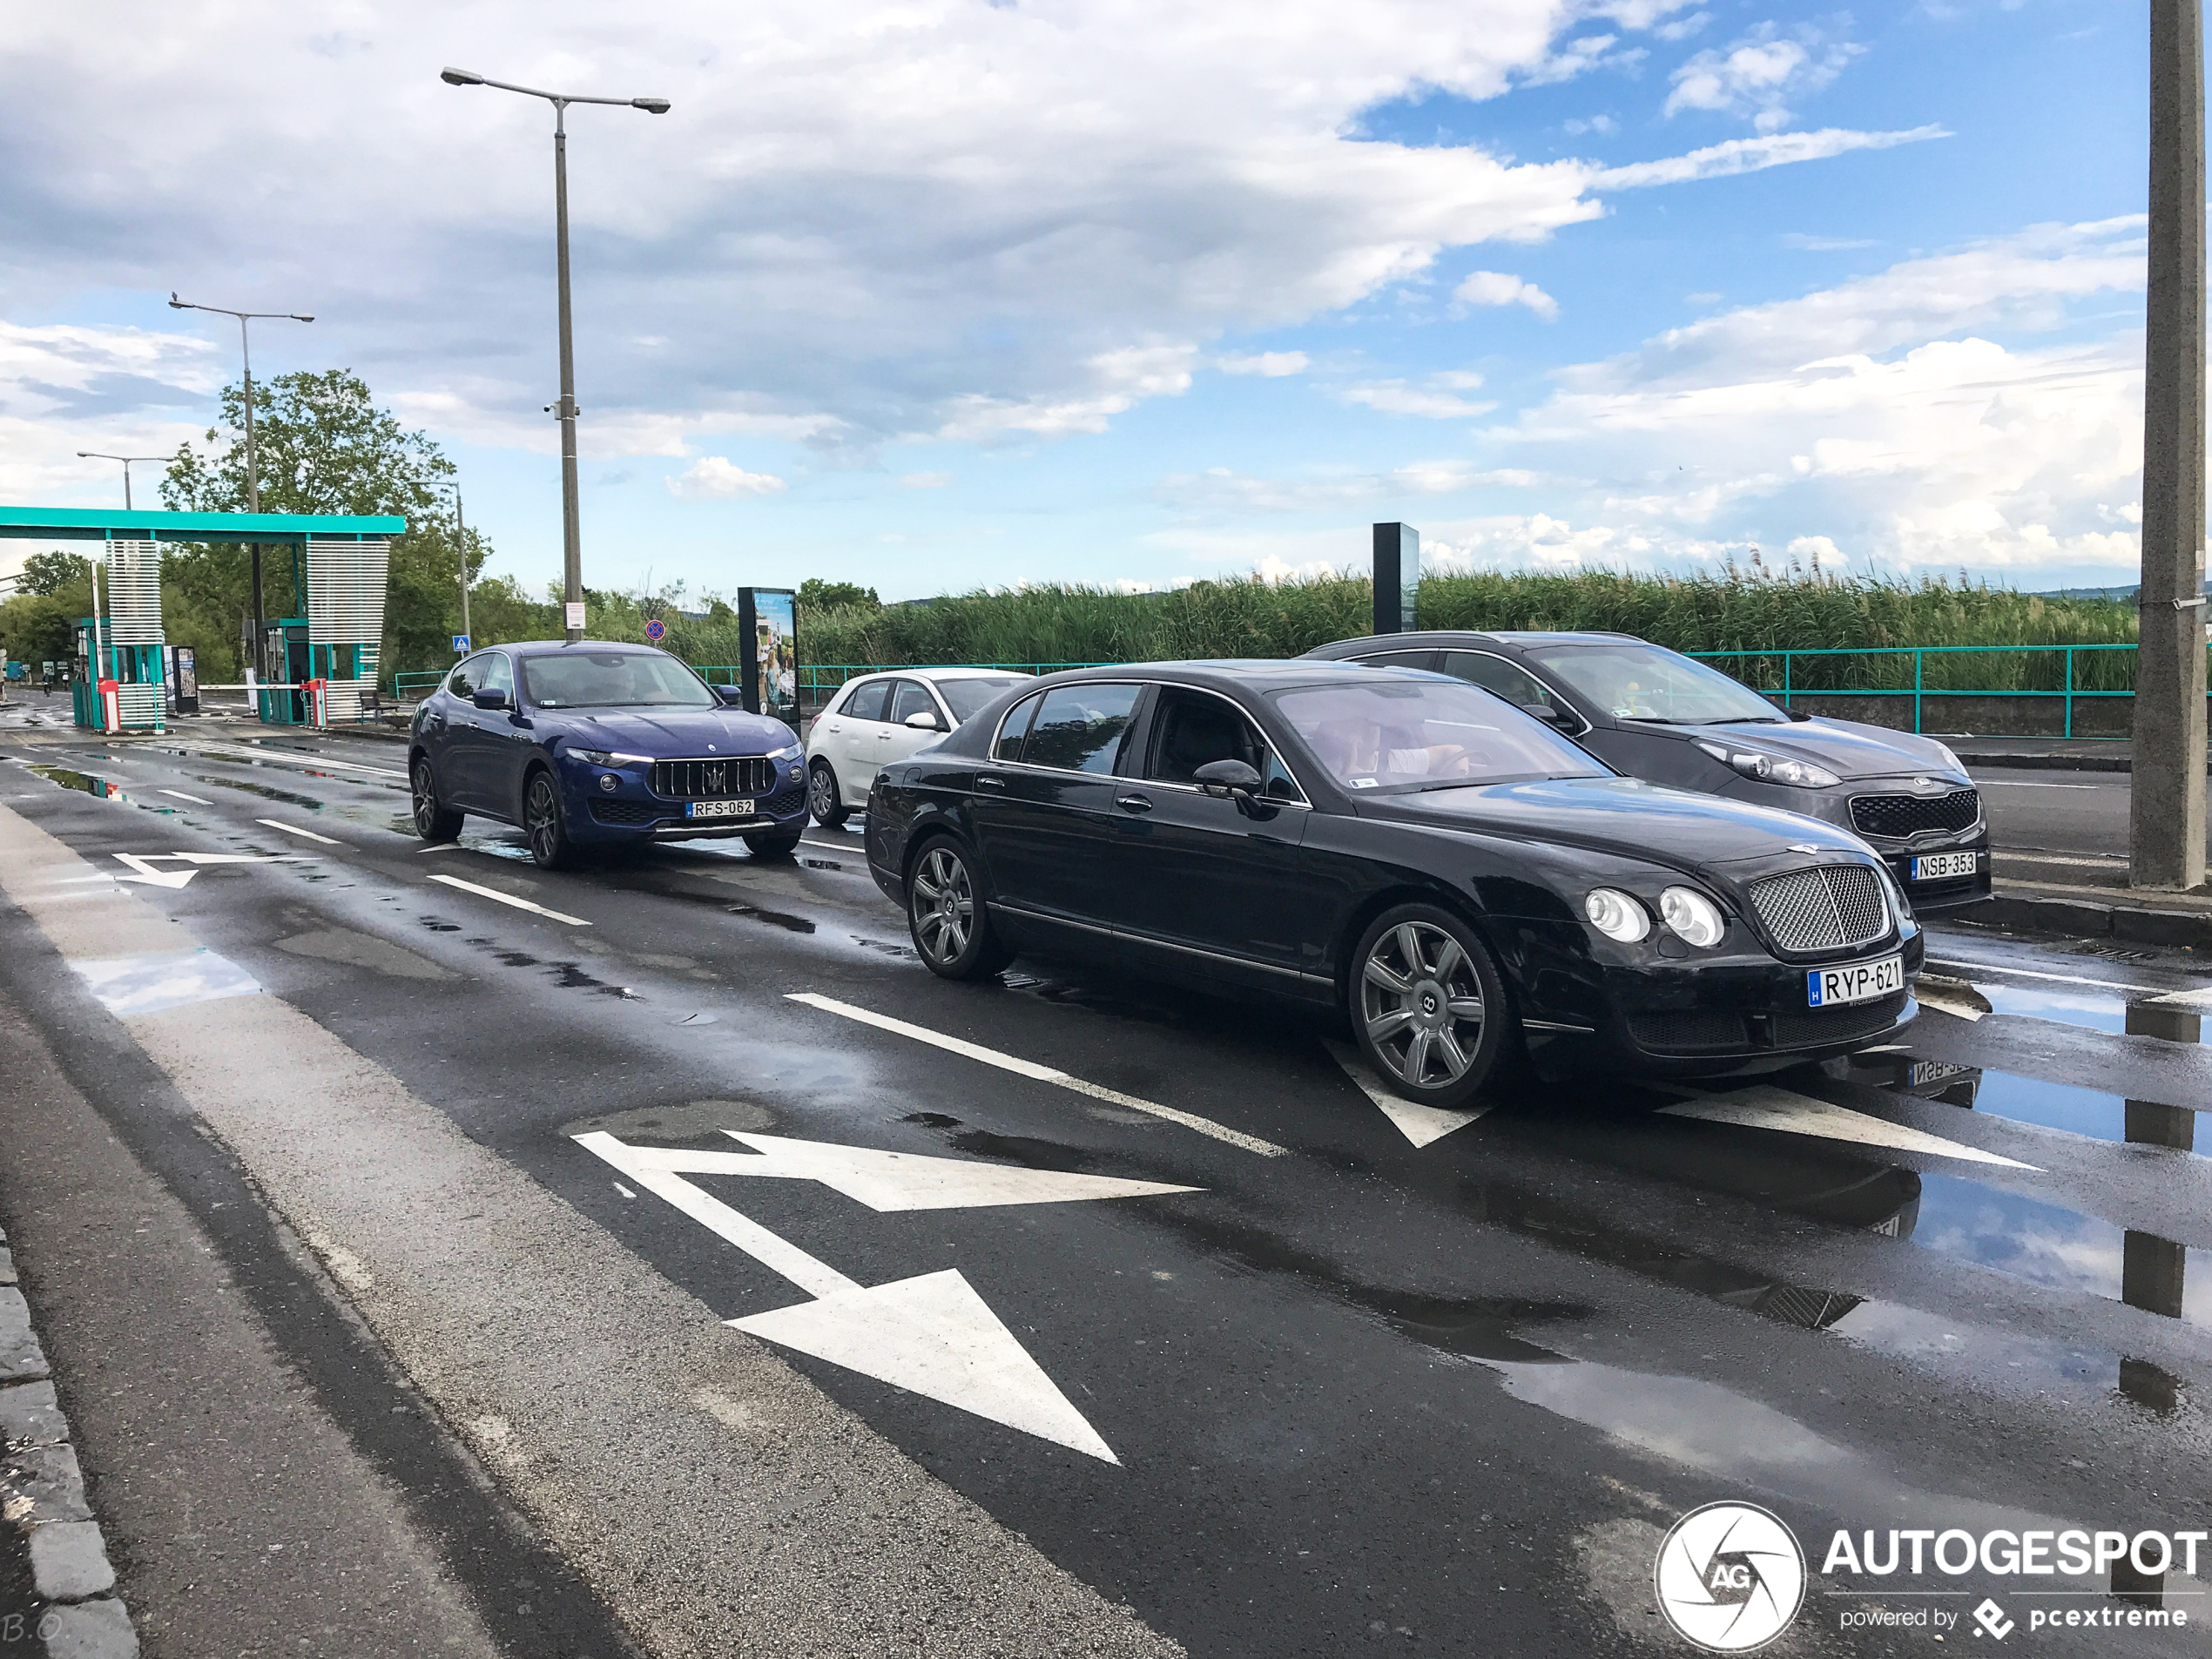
(1633, 681)
(1405, 736)
(612, 679)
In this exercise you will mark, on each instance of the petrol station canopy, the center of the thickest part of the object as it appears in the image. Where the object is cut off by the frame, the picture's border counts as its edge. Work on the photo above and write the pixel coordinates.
(101, 524)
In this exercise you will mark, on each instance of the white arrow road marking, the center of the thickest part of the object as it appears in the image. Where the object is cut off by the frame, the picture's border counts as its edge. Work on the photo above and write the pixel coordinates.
(894, 1181)
(1418, 1124)
(1030, 1068)
(180, 795)
(1768, 1107)
(2184, 999)
(149, 875)
(293, 829)
(508, 898)
(144, 863)
(932, 1335)
(1951, 996)
(164, 980)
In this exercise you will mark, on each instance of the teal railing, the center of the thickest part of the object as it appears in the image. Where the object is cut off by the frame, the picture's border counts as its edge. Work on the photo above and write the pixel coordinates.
(2069, 691)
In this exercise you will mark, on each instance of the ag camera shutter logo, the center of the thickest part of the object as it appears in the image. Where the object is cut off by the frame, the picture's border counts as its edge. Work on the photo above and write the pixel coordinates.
(1730, 1577)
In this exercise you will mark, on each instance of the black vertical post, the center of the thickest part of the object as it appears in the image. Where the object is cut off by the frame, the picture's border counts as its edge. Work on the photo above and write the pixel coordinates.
(1398, 577)
(749, 650)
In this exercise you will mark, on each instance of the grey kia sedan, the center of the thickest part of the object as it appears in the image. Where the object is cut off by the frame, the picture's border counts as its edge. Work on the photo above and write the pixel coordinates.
(1658, 715)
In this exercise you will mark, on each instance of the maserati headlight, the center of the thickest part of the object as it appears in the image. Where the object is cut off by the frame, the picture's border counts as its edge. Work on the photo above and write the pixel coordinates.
(791, 750)
(1617, 915)
(608, 758)
(1695, 918)
(1771, 769)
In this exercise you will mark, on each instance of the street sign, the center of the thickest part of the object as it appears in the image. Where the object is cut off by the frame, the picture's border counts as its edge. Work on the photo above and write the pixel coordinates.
(459, 643)
(655, 629)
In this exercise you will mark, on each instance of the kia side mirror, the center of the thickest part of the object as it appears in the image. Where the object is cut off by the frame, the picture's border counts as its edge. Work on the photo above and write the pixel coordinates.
(730, 695)
(1226, 779)
(923, 720)
(493, 698)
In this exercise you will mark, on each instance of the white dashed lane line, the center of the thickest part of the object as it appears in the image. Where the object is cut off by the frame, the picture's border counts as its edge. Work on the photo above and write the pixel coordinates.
(509, 899)
(304, 834)
(1030, 1068)
(180, 795)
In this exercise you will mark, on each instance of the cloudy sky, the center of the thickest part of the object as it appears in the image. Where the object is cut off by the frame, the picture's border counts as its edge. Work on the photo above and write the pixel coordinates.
(936, 293)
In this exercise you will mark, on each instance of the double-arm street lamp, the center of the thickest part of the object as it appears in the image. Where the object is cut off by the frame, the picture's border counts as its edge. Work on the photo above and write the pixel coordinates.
(252, 467)
(571, 532)
(461, 537)
(101, 454)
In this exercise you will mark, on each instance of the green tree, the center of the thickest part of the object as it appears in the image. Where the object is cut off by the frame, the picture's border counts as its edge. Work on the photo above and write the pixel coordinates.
(814, 594)
(323, 445)
(45, 573)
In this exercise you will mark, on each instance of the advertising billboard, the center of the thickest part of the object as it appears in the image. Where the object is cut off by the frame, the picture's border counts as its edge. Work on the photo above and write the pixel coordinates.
(769, 647)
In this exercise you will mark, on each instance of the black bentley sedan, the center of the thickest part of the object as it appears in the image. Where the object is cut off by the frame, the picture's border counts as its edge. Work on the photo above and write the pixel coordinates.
(1470, 888)
(1668, 718)
(601, 746)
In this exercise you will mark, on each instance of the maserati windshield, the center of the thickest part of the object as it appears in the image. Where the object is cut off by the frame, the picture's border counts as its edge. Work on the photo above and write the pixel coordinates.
(613, 679)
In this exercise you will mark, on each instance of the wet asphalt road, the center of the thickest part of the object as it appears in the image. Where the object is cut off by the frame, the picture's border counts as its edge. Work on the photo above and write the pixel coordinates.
(1365, 1392)
(2064, 827)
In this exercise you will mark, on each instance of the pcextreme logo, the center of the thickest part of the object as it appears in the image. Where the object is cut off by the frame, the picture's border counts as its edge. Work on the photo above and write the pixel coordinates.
(1730, 1577)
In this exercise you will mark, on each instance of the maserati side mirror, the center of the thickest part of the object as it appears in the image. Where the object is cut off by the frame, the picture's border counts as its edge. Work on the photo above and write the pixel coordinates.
(493, 698)
(730, 695)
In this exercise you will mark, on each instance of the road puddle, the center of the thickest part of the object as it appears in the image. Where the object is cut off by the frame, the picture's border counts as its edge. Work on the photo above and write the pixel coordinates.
(62, 777)
(1979, 1352)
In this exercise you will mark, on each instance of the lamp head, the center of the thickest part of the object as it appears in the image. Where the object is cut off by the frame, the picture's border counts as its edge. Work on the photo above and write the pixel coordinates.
(650, 105)
(175, 304)
(461, 77)
(296, 317)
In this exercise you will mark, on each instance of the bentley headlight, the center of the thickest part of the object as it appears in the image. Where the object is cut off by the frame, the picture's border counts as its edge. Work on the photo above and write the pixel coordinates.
(1771, 769)
(1695, 918)
(1900, 907)
(1617, 915)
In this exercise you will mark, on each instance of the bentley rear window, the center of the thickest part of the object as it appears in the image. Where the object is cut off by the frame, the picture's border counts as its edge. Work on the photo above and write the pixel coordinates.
(1436, 734)
(1079, 728)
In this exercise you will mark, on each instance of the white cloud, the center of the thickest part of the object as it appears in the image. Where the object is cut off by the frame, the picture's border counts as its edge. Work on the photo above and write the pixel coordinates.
(713, 478)
(1684, 28)
(1438, 401)
(1496, 288)
(127, 391)
(1271, 364)
(1596, 124)
(927, 479)
(1221, 492)
(863, 222)
(1825, 244)
(1756, 75)
(1754, 155)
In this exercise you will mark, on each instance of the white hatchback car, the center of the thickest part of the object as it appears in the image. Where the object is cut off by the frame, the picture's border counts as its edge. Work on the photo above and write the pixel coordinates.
(877, 718)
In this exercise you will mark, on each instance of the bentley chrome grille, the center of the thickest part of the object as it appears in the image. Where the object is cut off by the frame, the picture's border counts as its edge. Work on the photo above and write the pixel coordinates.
(714, 777)
(1827, 908)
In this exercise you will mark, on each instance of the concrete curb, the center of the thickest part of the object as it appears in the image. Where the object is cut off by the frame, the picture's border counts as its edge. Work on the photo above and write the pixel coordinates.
(2050, 760)
(2076, 917)
(42, 1493)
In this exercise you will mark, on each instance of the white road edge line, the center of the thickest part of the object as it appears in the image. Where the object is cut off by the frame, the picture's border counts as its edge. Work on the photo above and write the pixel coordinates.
(2063, 979)
(508, 898)
(180, 795)
(1031, 1068)
(304, 834)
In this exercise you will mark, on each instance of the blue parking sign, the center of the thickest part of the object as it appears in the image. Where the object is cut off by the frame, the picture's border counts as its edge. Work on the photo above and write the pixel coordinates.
(461, 642)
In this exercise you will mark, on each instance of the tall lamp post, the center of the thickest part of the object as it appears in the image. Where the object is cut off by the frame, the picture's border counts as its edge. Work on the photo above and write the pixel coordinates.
(460, 536)
(571, 532)
(101, 455)
(253, 469)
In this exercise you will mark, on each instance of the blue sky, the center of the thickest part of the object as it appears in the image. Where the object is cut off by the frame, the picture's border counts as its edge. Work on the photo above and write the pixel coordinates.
(935, 296)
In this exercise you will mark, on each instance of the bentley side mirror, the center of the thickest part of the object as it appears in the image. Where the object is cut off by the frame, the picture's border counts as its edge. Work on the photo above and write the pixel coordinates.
(923, 720)
(1228, 778)
(493, 698)
(1547, 713)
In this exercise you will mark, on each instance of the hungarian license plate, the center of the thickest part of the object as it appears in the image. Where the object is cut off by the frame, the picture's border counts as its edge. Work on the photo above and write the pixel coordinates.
(717, 809)
(1828, 988)
(1940, 866)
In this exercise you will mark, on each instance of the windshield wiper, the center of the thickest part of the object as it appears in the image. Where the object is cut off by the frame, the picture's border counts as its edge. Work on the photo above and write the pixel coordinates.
(1740, 719)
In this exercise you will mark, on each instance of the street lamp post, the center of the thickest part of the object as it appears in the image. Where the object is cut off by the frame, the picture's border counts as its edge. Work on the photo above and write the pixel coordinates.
(253, 469)
(101, 454)
(571, 529)
(461, 537)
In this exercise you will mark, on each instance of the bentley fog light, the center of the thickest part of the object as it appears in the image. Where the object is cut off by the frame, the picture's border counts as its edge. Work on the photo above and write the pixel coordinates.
(1617, 915)
(1695, 918)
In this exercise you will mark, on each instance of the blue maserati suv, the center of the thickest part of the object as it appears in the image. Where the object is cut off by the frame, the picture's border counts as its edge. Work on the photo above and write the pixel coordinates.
(601, 746)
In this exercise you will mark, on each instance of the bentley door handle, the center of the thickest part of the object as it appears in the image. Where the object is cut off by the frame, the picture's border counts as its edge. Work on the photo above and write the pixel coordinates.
(1134, 803)
(987, 780)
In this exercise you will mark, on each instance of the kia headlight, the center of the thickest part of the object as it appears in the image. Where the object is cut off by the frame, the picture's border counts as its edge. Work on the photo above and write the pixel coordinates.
(1771, 769)
(1617, 915)
(1694, 919)
(1949, 758)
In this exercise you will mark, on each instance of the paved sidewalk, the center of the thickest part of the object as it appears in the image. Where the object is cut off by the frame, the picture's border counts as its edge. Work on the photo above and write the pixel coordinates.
(57, 1588)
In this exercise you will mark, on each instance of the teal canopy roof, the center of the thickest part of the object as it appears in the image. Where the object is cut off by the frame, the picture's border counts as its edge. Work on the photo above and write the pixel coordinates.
(96, 524)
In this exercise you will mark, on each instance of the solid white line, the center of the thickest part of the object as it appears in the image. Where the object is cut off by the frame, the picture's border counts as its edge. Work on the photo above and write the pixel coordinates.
(442, 846)
(285, 758)
(2030, 973)
(1042, 1074)
(2092, 861)
(508, 898)
(304, 834)
(180, 795)
(2022, 783)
